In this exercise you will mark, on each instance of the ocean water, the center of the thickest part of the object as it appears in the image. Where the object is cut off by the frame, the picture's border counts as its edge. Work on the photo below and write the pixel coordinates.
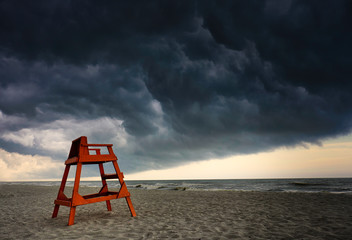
(331, 185)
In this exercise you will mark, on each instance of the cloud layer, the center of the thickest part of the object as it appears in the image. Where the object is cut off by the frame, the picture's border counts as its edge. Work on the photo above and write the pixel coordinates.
(170, 82)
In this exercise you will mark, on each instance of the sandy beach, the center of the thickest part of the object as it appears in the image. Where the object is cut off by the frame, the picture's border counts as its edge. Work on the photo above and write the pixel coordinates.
(26, 214)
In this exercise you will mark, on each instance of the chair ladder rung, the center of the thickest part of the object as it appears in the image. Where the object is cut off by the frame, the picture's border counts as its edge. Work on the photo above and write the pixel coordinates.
(110, 176)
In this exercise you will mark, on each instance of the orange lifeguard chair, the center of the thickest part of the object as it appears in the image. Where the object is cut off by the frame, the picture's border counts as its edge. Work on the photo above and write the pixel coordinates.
(79, 155)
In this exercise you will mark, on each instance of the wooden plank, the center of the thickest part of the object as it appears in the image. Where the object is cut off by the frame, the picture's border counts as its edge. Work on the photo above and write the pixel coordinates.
(101, 199)
(71, 161)
(96, 145)
(104, 189)
(95, 200)
(96, 195)
(56, 211)
(63, 202)
(110, 176)
(97, 158)
(71, 218)
(130, 206)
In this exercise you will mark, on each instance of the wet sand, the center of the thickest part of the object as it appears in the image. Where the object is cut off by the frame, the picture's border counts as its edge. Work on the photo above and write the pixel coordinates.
(25, 213)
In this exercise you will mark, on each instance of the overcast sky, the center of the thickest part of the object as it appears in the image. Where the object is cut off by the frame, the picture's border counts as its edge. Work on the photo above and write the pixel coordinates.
(171, 82)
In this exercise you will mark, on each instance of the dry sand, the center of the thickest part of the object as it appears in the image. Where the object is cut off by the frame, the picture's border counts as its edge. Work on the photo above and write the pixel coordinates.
(25, 213)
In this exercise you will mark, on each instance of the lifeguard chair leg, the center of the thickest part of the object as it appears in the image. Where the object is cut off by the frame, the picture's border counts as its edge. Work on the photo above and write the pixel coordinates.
(71, 218)
(123, 184)
(75, 194)
(130, 206)
(56, 211)
(108, 205)
(105, 186)
(61, 190)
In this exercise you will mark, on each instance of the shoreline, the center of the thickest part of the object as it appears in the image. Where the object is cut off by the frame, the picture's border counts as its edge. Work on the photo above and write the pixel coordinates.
(26, 214)
(311, 185)
(179, 189)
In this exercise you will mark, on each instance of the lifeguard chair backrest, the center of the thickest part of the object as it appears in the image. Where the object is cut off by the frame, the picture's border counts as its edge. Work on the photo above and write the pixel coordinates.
(76, 147)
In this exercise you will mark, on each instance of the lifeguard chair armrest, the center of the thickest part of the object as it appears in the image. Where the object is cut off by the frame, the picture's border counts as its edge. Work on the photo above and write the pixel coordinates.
(96, 145)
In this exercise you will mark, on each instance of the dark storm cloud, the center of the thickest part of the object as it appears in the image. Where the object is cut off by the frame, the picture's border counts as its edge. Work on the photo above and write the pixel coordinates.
(190, 80)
